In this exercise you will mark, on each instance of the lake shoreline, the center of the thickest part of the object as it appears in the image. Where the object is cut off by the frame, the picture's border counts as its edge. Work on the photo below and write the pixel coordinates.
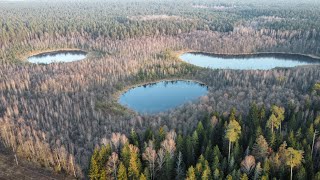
(116, 95)
(50, 52)
(276, 60)
(181, 52)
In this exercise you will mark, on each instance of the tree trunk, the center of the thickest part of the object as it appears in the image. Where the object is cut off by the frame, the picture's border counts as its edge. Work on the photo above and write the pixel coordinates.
(72, 165)
(314, 136)
(16, 159)
(229, 150)
(115, 172)
(291, 173)
(291, 167)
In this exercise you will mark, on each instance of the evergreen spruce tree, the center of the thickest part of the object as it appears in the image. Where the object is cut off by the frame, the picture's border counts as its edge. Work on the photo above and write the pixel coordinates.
(142, 177)
(301, 175)
(260, 149)
(169, 166)
(134, 167)
(122, 172)
(244, 177)
(216, 174)
(191, 174)
(94, 172)
(134, 138)
(257, 171)
(125, 155)
(206, 174)
(229, 177)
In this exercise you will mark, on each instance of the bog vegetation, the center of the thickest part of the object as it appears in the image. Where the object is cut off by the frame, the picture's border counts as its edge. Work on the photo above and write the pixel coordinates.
(251, 125)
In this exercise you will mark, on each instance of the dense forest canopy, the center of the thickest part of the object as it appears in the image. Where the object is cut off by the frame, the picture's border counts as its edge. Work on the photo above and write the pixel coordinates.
(251, 124)
(25, 21)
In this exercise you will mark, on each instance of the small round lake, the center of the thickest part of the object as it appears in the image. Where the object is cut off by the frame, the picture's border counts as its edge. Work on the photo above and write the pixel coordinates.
(162, 96)
(247, 62)
(57, 56)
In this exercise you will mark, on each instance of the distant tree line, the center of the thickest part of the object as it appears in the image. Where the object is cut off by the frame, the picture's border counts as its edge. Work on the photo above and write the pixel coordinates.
(34, 26)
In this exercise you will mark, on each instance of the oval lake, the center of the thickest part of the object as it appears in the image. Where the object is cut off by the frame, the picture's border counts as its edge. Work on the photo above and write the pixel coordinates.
(247, 62)
(57, 56)
(162, 96)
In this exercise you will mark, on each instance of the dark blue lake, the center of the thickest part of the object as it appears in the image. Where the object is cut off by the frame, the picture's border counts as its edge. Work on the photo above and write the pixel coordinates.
(162, 96)
(58, 56)
(247, 62)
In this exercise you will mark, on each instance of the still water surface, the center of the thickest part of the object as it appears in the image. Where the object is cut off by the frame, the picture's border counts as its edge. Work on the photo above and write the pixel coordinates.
(59, 56)
(247, 62)
(162, 96)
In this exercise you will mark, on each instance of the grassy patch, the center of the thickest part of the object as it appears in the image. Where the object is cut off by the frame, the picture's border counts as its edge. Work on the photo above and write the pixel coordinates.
(110, 107)
(167, 54)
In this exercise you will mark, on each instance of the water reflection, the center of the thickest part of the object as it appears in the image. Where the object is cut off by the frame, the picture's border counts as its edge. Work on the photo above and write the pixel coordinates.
(57, 56)
(247, 62)
(162, 96)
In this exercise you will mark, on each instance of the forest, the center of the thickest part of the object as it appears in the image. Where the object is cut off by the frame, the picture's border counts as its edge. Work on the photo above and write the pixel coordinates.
(219, 147)
(252, 124)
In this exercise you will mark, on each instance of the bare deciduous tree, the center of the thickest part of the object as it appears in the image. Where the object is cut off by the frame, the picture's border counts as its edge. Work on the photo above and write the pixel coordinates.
(248, 164)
